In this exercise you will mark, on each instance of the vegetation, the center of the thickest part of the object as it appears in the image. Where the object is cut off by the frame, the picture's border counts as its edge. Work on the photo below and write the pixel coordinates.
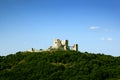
(59, 65)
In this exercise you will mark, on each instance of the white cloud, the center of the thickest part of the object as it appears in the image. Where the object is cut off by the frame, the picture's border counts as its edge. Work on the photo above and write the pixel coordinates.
(94, 27)
(109, 39)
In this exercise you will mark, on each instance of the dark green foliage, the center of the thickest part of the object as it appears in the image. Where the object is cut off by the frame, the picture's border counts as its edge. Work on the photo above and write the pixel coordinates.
(59, 65)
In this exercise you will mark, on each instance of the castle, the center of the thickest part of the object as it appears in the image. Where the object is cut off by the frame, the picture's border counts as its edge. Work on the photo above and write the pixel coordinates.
(62, 45)
(58, 45)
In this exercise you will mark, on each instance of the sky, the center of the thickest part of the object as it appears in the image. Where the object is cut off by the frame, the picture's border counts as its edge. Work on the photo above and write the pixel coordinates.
(93, 24)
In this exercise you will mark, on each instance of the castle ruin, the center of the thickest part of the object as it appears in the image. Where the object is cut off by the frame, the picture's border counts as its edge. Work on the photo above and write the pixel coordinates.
(63, 45)
(58, 45)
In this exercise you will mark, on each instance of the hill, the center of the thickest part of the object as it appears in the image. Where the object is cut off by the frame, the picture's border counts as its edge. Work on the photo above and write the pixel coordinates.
(59, 65)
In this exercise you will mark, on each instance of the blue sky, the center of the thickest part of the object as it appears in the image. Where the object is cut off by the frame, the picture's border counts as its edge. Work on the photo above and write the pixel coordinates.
(93, 24)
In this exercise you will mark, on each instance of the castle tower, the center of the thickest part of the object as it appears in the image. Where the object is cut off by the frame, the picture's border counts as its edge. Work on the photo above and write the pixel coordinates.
(75, 47)
(33, 50)
(65, 44)
(56, 44)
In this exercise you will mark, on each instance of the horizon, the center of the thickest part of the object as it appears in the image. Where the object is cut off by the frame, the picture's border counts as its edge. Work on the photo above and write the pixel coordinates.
(93, 24)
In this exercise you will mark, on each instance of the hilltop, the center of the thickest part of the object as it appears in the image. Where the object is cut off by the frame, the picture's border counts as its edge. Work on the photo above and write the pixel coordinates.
(59, 65)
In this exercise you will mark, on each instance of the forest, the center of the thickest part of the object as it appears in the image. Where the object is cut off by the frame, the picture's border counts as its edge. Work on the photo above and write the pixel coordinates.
(59, 65)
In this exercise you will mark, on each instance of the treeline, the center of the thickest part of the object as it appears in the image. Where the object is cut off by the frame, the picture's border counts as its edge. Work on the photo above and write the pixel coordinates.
(59, 65)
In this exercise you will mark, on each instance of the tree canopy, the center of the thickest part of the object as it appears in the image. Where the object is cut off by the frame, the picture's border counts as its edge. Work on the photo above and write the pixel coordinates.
(59, 65)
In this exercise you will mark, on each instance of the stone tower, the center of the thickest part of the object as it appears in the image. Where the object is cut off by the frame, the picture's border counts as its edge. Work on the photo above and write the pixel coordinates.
(65, 44)
(75, 47)
(56, 44)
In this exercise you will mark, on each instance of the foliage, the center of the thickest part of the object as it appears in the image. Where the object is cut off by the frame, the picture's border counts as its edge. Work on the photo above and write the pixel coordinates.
(59, 65)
